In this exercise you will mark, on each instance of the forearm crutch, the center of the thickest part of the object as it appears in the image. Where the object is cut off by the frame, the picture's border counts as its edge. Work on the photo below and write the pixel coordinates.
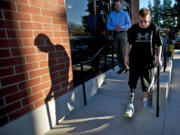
(157, 98)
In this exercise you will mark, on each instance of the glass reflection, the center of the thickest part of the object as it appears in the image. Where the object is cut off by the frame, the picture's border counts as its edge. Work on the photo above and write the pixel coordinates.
(87, 32)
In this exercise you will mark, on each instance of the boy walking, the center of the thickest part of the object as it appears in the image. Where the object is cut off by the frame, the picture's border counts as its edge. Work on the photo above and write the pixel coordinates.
(143, 52)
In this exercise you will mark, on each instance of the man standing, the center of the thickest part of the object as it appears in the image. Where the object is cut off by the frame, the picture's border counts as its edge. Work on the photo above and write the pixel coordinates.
(119, 22)
(143, 52)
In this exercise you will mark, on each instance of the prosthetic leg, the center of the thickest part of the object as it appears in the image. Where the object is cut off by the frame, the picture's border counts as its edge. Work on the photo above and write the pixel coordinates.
(130, 109)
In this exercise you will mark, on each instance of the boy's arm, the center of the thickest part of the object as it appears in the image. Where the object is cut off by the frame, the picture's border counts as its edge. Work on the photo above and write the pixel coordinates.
(159, 51)
(128, 47)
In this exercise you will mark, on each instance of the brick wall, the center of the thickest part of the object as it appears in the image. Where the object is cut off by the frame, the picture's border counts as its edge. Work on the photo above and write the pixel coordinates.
(35, 63)
(134, 11)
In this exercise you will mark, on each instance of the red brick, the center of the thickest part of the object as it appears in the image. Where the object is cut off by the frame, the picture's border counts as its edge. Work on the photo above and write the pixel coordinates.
(42, 57)
(31, 26)
(19, 34)
(14, 79)
(64, 72)
(6, 72)
(9, 108)
(61, 60)
(64, 28)
(21, 111)
(55, 7)
(52, 62)
(43, 64)
(41, 87)
(2, 33)
(134, 11)
(54, 76)
(8, 90)
(5, 43)
(46, 49)
(24, 51)
(52, 27)
(57, 81)
(31, 58)
(56, 41)
(46, 78)
(26, 67)
(64, 84)
(4, 53)
(61, 2)
(52, 1)
(39, 103)
(46, 12)
(39, 72)
(7, 5)
(57, 68)
(28, 9)
(65, 40)
(22, 1)
(41, 19)
(55, 54)
(12, 61)
(60, 34)
(30, 83)
(33, 98)
(40, 4)
(55, 88)
(17, 96)
(9, 24)
(47, 33)
(63, 15)
(28, 42)
(17, 16)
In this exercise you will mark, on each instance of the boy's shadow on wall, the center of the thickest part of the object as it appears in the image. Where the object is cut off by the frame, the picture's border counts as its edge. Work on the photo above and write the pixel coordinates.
(58, 64)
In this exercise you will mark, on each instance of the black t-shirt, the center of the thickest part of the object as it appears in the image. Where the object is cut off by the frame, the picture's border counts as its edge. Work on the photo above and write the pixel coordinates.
(143, 41)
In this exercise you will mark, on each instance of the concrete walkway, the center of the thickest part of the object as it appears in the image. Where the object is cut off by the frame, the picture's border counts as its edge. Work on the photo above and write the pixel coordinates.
(104, 114)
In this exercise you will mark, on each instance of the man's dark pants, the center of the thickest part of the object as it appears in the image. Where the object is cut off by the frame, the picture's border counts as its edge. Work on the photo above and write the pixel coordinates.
(120, 41)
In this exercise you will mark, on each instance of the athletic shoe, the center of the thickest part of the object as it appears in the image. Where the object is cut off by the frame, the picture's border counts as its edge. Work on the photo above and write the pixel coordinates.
(121, 70)
(130, 111)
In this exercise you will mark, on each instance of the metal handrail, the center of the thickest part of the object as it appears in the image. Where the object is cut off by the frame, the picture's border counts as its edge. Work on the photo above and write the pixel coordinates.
(88, 62)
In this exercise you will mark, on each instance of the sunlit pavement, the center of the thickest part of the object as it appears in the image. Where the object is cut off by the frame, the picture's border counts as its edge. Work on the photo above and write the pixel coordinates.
(104, 114)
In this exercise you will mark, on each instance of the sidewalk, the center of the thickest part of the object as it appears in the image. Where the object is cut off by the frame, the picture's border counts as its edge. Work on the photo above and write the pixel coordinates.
(104, 114)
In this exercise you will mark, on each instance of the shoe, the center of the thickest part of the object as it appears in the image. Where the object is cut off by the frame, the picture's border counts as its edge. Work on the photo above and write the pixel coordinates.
(126, 70)
(130, 111)
(121, 70)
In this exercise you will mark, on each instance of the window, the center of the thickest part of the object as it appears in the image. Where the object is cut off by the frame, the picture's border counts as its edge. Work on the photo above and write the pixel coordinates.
(87, 32)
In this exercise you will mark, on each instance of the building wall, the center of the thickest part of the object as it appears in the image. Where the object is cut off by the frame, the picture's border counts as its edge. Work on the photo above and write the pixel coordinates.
(134, 10)
(35, 60)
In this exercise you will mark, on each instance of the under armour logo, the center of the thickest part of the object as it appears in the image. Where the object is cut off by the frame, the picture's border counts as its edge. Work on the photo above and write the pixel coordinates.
(141, 36)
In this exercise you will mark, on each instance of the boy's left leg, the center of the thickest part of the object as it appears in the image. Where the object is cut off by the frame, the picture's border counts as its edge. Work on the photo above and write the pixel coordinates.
(133, 78)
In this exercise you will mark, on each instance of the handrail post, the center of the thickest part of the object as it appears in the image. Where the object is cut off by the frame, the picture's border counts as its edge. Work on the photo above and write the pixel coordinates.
(112, 53)
(165, 58)
(84, 89)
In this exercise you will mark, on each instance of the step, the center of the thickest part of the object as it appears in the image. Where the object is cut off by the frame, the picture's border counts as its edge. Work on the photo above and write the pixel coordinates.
(114, 75)
(118, 88)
